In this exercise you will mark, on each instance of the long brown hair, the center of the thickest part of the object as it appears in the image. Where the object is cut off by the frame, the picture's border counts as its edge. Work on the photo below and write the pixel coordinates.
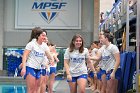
(36, 32)
(72, 46)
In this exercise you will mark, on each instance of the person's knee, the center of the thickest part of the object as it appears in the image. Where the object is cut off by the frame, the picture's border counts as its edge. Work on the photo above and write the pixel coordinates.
(73, 91)
(31, 89)
(82, 91)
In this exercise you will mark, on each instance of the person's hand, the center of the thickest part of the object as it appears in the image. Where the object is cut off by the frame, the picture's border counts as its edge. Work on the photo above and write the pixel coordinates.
(69, 78)
(57, 60)
(112, 75)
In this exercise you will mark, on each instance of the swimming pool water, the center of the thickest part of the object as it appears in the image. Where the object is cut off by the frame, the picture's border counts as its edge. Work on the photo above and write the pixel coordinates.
(12, 88)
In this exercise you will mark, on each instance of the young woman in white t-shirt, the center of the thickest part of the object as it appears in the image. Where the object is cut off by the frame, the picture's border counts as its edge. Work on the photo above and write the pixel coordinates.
(33, 56)
(110, 56)
(75, 59)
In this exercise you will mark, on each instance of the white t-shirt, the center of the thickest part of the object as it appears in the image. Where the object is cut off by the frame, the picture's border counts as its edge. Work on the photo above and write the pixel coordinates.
(77, 63)
(94, 51)
(37, 55)
(108, 60)
(45, 63)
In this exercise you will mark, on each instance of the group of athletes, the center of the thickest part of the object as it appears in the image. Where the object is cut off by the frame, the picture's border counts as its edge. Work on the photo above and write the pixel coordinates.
(39, 63)
(100, 65)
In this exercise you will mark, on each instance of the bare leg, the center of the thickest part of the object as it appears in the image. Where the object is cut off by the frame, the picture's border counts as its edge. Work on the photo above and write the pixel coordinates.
(111, 86)
(31, 83)
(82, 85)
(104, 83)
(51, 82)
(73, 87)
(43, 84)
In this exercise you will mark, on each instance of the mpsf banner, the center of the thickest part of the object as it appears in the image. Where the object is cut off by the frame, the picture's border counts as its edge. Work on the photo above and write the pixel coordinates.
(48, 14)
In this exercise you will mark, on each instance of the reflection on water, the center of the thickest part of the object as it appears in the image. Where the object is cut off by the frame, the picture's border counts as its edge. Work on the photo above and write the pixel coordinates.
(12, 88)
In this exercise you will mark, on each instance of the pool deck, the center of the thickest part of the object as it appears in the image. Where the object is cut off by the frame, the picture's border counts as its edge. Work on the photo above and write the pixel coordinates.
(17, 80)
(60, 86)
(63, 87)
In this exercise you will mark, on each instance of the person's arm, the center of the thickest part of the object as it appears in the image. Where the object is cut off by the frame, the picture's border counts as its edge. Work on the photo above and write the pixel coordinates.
(50, 57)
(96, 63)
(66, 66)
(90, 65)
(46, 62)
(24, 59)
(56, 58)
(115, 52)
(117, 64)
(97, 57)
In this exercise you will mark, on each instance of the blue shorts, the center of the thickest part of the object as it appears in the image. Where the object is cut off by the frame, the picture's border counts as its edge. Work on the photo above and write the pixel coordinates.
(117, 74)
(91, 74)
(43, 72)
(74, 79)
(34, 72)
(100, 73)
(52, 70)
